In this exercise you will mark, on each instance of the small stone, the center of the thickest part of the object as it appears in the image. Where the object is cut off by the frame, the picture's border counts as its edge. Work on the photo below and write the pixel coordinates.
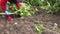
(55, 24)
(16, 23)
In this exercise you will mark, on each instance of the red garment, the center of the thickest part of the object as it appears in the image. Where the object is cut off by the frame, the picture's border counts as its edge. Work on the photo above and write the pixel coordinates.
(3, 7)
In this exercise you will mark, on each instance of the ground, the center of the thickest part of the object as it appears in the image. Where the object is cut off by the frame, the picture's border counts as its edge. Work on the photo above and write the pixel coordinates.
(26, 25)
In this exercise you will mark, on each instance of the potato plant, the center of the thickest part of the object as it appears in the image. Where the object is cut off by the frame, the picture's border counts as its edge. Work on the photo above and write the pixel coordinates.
(25, 9)
(51, 6)
(39, 29)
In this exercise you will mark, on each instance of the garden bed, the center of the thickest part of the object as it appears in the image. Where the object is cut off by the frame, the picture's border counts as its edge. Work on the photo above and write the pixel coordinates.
(26, 25)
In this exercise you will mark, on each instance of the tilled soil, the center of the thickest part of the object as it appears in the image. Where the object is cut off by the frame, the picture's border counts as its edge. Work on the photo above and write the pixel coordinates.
(26, 25)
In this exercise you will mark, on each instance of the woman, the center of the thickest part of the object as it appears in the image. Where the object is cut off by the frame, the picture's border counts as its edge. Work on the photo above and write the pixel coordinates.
(4, 7)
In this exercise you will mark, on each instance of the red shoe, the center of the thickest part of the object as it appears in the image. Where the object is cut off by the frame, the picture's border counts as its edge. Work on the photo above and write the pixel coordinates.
(9, 18)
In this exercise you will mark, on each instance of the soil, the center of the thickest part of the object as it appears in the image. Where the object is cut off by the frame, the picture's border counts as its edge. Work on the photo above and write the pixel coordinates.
(26, 25)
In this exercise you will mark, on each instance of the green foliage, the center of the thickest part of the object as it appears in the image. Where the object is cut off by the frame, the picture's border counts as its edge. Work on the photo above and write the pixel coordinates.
(36, 2)
(39, 29)
(25, 9)
(0, 10)
(51, 6)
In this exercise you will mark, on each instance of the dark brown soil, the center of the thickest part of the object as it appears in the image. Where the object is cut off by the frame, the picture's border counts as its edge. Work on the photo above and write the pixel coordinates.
(26, 25)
